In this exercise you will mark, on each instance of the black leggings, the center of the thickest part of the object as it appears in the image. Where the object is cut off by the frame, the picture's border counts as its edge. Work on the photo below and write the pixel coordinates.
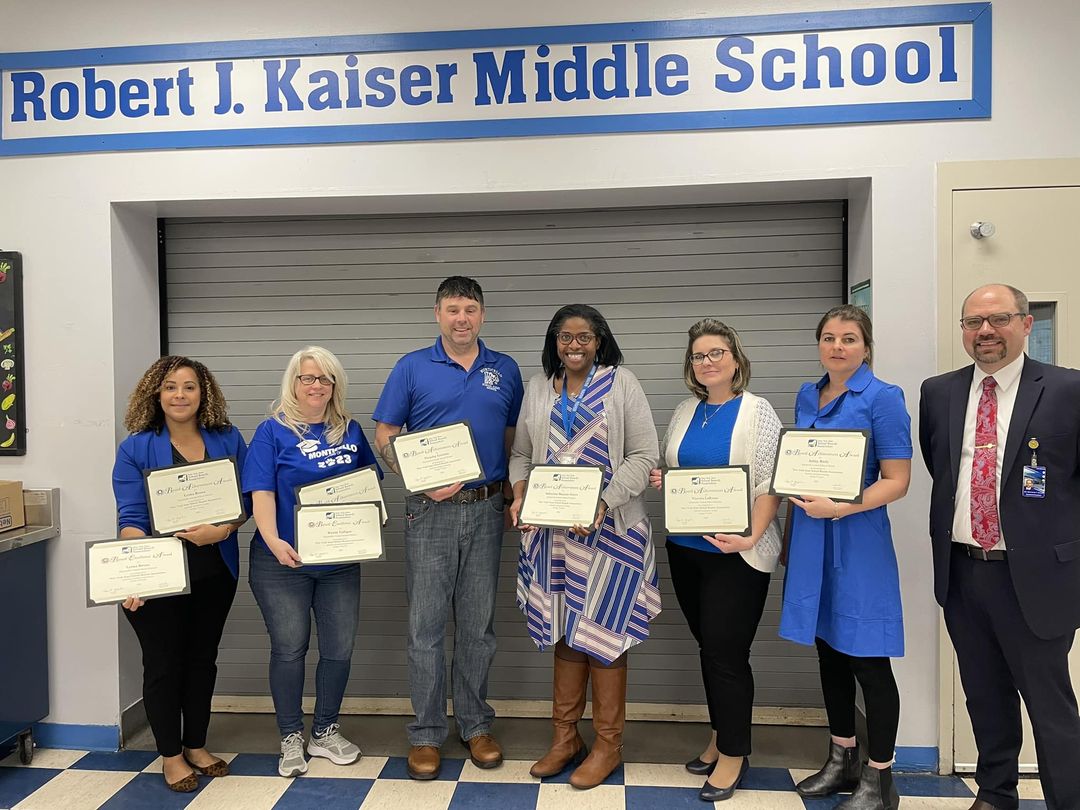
(839, 671)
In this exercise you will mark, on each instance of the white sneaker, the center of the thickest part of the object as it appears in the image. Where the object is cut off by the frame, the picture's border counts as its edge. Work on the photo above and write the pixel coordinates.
(332, 745)
(292, 762)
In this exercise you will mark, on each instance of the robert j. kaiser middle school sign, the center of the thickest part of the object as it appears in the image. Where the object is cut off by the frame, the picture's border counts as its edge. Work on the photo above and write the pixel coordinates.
(897, 64)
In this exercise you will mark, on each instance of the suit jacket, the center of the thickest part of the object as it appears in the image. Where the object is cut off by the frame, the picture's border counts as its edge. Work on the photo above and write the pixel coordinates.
(1042, 536)
(149, 450)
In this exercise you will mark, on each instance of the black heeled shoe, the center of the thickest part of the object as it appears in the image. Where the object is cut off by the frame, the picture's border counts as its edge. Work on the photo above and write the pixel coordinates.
(700, 767)
(718, 794)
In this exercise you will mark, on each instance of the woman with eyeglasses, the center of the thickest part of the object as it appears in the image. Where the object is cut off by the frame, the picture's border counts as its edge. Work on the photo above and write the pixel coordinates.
(589, 591)
(176, 415)
(842, 592)
(722, 580)
(309, 436)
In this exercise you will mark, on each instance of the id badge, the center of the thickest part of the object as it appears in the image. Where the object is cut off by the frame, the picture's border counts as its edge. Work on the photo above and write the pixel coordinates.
(1034, 483)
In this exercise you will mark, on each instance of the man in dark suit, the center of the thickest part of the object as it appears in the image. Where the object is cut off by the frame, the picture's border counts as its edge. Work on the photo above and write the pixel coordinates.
(1001, 439)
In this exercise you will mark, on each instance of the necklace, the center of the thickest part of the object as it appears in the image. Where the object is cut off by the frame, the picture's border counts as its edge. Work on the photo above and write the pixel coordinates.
(706, 416)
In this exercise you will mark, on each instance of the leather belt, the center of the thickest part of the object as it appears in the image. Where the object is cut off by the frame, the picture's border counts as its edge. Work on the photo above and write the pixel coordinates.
(978, 553)
(481, 493)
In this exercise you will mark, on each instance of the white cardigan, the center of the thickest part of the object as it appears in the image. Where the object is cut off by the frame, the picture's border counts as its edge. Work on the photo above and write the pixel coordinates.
(753, 441)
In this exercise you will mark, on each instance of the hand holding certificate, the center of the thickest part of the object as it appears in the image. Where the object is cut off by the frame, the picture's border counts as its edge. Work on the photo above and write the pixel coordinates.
(430, 459)
(145, 567)
(338, 533)
(707, 500)
(186, 495)
(823, 463)
(562, 496)
(357, 486)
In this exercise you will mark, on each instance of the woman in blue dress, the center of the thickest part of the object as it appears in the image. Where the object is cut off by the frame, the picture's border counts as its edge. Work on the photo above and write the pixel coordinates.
(842, 591)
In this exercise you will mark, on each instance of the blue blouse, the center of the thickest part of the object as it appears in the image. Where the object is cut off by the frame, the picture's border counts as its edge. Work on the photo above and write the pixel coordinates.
(707, 445)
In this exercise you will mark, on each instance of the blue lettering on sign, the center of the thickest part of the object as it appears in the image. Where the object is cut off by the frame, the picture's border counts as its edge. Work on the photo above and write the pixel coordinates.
(100, 98)
(799, 69)
(825, 65)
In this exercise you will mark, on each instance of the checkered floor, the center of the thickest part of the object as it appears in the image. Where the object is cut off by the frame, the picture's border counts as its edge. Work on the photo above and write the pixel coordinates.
(77, 780)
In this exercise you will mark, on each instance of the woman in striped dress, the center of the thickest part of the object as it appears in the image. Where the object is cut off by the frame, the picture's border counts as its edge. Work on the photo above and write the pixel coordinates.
(590, 591)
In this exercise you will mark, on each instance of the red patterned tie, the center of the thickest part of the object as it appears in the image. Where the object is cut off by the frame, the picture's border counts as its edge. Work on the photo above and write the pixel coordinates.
(984, 511)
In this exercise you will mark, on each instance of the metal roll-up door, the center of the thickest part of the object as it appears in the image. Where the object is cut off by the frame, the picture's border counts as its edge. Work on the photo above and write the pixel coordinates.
(244, 294)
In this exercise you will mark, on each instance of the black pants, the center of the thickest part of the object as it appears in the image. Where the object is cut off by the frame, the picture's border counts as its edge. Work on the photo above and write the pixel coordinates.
(722, 598)
(839, 671)
(179, 636)
(1001, 660)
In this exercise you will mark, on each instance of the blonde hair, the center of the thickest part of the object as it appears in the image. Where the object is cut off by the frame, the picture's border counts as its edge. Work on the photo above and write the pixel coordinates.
(711, 326)
(286, 409)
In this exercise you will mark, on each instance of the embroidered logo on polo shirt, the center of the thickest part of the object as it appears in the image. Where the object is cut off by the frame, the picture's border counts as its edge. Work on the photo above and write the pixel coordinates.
(492, 378)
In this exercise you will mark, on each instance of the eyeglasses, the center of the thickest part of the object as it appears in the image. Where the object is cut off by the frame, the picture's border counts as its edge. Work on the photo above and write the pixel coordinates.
(583, 338)
(973, 323)
(716, 355)
(309, 379)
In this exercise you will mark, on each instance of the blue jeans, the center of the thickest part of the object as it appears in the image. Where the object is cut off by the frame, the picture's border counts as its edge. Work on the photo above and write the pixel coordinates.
(451, 562)
(286, 597)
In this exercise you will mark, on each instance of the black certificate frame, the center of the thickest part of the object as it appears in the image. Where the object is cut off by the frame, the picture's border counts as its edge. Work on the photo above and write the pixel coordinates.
(415, 433)
(749, 495)
(576, 467)
(236, 477)
(324, 481)
(299, 508)
(780, 449)
(132, 541)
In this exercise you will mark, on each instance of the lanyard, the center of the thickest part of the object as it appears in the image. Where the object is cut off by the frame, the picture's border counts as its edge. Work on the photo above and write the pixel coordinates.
(569, 413)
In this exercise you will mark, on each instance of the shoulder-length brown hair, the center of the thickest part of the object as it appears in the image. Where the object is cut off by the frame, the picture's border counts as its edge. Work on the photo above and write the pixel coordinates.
(144, 405)
(711, 326)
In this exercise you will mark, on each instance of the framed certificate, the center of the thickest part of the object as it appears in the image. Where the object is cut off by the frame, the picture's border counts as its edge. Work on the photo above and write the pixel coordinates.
(356, 486)
(338, 533)
(824, 463)
(186, 495)
(562, 495)
(145, 567)
(707, 500)
(433, 458)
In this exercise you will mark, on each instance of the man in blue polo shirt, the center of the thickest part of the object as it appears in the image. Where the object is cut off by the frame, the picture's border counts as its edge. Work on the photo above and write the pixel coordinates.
(453, 535)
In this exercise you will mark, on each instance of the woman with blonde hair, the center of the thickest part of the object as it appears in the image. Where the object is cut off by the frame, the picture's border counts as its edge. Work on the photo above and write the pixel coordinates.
(309, 436)
(177, 414)
(722, 580)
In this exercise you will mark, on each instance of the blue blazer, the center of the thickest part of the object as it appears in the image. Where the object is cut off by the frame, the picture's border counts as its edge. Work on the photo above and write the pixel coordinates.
(149, 450)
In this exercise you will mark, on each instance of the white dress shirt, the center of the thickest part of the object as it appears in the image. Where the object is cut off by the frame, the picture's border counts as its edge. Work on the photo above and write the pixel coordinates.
(1008, 382)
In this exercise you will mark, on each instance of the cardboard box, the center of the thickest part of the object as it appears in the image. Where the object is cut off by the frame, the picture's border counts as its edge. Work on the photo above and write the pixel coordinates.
(11, 505)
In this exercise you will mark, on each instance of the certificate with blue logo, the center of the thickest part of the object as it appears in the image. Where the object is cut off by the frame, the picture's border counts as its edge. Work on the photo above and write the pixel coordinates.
(822, 463)
(707, 500)
(338, 533)
(355, 486)
(186, 495)
(561, 496)
(437, 457)
(146, 567)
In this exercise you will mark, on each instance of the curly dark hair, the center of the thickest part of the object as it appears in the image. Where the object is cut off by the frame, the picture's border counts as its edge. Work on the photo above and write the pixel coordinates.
(144, 405)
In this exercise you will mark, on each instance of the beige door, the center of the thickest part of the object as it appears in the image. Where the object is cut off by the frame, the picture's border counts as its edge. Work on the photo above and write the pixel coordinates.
(1034, 249)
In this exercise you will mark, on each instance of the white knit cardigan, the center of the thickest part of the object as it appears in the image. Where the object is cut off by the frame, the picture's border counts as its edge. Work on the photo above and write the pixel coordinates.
(753, 441)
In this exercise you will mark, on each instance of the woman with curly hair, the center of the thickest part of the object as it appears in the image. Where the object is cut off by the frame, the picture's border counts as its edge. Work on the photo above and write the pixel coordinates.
(308, 437)
(177, 414)
(722, 580)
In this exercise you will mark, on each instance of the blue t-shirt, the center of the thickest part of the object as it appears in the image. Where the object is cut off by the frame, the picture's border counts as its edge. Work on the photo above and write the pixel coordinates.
(427, 389)
(277, 461)
(708, 446)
